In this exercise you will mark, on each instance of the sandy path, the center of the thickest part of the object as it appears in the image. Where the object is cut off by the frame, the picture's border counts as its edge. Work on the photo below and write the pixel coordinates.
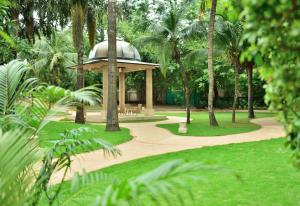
(150, 140)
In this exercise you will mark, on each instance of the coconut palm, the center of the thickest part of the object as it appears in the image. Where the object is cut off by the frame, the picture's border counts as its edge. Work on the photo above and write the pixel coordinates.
(167, 37)
(82, 11)
(112, 123)
(228, 36)
(212, 118)
(78, 19)
(53, 55)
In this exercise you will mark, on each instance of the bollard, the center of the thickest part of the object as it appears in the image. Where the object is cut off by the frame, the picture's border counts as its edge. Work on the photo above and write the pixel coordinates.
(182, 127)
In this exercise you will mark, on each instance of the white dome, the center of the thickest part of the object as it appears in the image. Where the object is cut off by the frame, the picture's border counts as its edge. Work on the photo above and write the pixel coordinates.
(124, 51)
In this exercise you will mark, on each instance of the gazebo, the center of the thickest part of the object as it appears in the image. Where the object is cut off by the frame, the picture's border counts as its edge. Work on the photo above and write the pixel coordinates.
(128, 60)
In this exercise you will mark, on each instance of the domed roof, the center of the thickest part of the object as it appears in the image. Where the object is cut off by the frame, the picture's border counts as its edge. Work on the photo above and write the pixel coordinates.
(124, 51)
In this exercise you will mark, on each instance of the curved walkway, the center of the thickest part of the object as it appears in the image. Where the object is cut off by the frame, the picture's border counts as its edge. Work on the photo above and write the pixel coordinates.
(150, 140)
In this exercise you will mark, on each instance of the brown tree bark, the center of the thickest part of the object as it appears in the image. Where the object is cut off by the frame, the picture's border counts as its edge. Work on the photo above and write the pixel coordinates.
(80, 118)
(112, 122)
(212, 118)
(186, 88)
(236, 92)
(251, 114)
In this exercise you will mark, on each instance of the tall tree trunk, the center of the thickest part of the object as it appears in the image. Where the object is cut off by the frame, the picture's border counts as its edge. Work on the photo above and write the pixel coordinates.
(236, 92)
(250, 91)
(216, 93)
(212, 118)
(186, 88)
(80, 118)
(112, 122)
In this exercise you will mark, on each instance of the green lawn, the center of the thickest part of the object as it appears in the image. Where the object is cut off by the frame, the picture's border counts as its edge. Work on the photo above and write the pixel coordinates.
(51, 132)
(266, 176)
(200, 124)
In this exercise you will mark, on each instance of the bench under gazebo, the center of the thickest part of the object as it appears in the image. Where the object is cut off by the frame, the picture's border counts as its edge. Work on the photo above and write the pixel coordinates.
(128, 60)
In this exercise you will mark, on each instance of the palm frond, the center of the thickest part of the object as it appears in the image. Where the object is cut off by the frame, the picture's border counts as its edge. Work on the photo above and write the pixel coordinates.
(197, 29)
(161, 185)
(197, 55)
(88, 95)
(162, 47)
(165, 56)
(11, 84)
(48, 100)
(18, 154)
(63, 149)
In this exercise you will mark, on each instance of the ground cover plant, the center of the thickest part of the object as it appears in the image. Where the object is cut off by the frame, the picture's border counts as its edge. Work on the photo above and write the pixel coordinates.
(200, 125)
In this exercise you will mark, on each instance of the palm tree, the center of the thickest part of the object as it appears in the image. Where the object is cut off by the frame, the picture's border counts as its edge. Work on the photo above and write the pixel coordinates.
(82, 10)
(212, 118)
(167, 37)
(53, 55)
(112, 123)
(78, 17)
(228, 35)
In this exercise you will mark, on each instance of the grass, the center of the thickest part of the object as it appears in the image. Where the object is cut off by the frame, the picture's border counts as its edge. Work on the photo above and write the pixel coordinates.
(51, 132)
(200, 124)
(266, 175)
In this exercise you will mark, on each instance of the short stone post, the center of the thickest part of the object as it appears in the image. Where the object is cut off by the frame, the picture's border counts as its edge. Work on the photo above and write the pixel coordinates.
(182, 127)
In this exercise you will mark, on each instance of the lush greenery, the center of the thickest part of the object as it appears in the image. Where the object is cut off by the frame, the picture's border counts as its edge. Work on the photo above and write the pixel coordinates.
(203, 57)
(276, 50)
(52, 132)
(255, 173)
(200, 124)
(49, 48)
(20, 183)
(26, 170)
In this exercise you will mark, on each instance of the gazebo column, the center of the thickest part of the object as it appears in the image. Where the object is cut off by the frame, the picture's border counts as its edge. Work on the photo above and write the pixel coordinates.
(122, 90)
(105, 92)
(149, 93)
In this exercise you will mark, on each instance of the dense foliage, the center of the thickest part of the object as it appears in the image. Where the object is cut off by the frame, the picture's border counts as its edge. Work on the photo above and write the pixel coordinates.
(134, 21)
(272, 28)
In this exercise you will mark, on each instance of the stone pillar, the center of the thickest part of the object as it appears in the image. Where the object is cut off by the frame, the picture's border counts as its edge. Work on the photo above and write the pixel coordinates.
(105, 92)
(149, 94)
(122, 90)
